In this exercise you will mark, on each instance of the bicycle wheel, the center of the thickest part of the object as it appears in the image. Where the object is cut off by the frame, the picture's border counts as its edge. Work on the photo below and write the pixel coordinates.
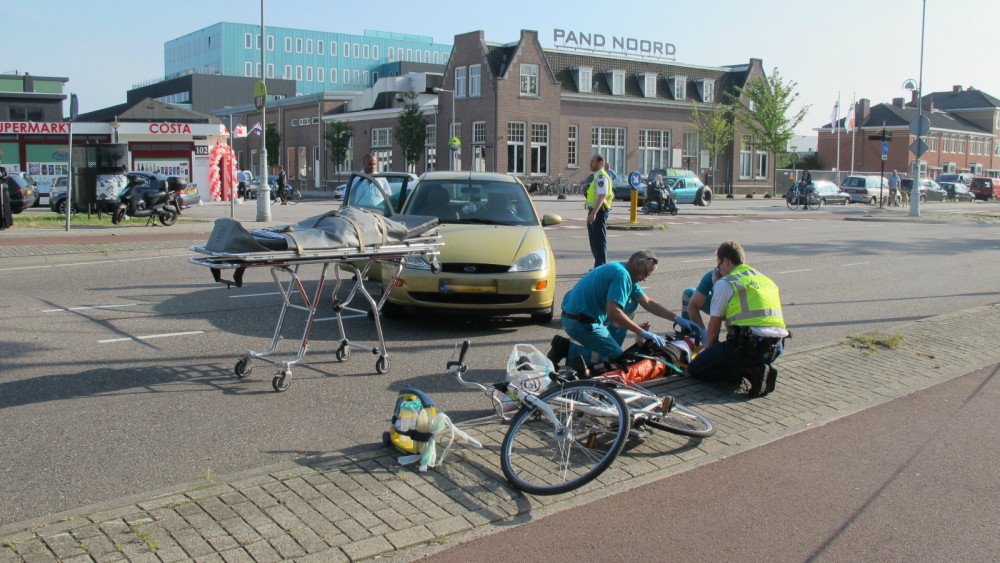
(814, 202)
(646, 409)
(537, 461)
(792, 201)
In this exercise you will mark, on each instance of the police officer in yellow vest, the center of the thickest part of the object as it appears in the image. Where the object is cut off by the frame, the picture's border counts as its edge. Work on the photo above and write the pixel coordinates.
(749, 303)
(599, 196)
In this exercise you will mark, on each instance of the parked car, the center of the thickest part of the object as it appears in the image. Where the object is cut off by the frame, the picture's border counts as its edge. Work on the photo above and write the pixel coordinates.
(496, 258)
(866, 189)
(156, 182)
(689, 189)
(339, 191)
(828, 192)
(622, 190)
(985, 188)
(964, 178)
(929, 189)
(952, 191)
(22, 194)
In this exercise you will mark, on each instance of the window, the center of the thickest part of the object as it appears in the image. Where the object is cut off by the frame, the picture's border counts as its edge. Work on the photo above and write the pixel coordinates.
(288, 44)
(435, 57)
(571, 144)
(357, 77)
(347, 76)
(291, 160)
(365, 52)
(708, 92)
(399, 54)
(460, 82)
(258, 70)
(409, 54)
(270, 70)
(390, 54)
(529, 80)
(298, 72)
(309, 74)
(932, 144)
(960, 145)
(475, 81)
(309, 46)
(479, 146)
(333, 76)
(654, 150)
(540, 149)
(303, 163)
(690, 144)
(319, 73)
(270, 42)
(746, 155)
(609, 142)
(762, 165)
(617, 82)
(364, 77)
(382, 137)
(357, 51)
(515, 146)
(430, 147)
(680, 87)
(288, 72)
(347, 50)
(648, 84)
(375, 52)
(298, 44)
(247, 69)
(585, 81)
(319, 47)
(248, 41)
(333, 48)
(478, 132)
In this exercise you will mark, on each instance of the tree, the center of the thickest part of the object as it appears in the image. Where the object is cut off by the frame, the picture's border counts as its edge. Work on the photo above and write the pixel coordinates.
(273, 145)
(338, 140)
(411, 130)
(765, 113)
(715, 131)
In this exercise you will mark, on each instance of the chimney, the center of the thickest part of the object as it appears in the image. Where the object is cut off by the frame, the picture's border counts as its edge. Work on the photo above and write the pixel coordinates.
(898, 102)
(913, 98)
(861, 112)
(956, 89)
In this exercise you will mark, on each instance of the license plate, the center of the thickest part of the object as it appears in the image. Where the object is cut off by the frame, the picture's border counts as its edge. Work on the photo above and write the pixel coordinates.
(445, 287)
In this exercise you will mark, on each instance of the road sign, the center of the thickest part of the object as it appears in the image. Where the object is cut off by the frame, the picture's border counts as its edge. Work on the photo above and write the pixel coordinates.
(885, 149)
(634, 179)
(918, 148)
(454, 144)
(919, 126)
(260, 95)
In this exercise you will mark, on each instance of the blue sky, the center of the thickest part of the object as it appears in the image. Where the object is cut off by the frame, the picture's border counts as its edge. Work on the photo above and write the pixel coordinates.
(862, 48)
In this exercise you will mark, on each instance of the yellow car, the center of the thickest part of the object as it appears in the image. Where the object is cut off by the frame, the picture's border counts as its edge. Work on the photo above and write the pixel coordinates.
(496, 258)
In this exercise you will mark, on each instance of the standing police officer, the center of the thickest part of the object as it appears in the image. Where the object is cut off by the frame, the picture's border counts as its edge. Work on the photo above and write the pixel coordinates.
(599, 196)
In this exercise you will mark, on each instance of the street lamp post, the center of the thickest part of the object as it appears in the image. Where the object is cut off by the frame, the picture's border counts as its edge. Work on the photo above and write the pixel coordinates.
(915, 190)
(116, 125)
(451, 127)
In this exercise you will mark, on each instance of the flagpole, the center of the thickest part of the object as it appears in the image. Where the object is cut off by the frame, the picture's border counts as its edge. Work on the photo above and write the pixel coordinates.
(854, 130)
(836, 125)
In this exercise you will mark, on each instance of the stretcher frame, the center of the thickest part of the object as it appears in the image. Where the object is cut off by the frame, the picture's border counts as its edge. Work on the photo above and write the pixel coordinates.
(345, 260)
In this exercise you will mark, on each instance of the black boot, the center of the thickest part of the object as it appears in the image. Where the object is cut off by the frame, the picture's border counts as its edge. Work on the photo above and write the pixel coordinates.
(755, 376)
(559, 349)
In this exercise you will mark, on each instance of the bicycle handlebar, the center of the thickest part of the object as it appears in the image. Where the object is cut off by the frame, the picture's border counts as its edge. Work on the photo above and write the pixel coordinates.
(458, 367)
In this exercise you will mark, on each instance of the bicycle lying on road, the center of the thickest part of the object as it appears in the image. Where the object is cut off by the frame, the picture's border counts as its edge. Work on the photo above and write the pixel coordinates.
(803, 196)
(567, 435)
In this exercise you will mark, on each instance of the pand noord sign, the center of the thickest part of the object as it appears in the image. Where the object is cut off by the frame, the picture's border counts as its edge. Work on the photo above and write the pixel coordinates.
(613, 44)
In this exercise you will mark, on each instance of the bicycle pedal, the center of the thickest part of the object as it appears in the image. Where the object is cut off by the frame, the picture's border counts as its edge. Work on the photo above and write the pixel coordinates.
(667, 405)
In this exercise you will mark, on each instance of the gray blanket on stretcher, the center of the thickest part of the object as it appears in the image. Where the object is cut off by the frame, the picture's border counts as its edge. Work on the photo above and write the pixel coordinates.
(349, 227)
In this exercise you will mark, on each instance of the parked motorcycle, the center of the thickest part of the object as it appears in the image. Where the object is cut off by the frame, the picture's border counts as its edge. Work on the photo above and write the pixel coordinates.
(164, 205)
(659, 200)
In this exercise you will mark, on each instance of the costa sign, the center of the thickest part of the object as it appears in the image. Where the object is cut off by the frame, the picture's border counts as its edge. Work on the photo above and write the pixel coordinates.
(13, 127)
(170, 128)
(614, 44)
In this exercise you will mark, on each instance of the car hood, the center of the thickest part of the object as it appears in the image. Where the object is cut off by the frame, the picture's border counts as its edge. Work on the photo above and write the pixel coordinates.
(493, 244)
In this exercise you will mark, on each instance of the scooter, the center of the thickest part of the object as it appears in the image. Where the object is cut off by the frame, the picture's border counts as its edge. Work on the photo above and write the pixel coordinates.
(656, 203)
(162, 205)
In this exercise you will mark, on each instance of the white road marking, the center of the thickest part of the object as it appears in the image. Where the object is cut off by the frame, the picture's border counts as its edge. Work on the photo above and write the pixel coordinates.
(795, 271)
(150, 336)
(698, 260)
(90, 307)
(854, 264)
(105, 262)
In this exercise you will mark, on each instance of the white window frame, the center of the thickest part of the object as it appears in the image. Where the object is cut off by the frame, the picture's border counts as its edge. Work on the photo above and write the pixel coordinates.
(356, 50)
(539, 160)
(356, 77)
(365, 51)
(248, 69)
(333, 48)
(761, 167)
(390, 54)
(270, 70)
(617, 82)
(309, 74)
(288, 44)
(309, 46)
(347, 76)
(460, 87)
(475, 81)
(248, 41)
(586, 84)
(270, 42)
(320, 73)
(347, 50)
(320, 46)
(288, 72)
(364, 78)
(381, 137)
(572, 146)
(333, 75)
(609, 142)
(516, 146)
(298, 72)
(648, 85)
(746, 157)
(708, 91)
(654, 150)
(680, 87)
(375, 52)
(478, 132)
(257, 66)
(298, 44)
(529, 80)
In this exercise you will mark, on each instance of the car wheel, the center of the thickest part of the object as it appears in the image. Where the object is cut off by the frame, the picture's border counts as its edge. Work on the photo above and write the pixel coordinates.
(873, 201)
(542, 318)
(923, 198)
(61, 207)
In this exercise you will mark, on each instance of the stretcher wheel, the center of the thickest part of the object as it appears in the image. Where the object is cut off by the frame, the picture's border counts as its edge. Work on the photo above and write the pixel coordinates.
(382, 364)
(243, 368)
(435, 266)
(386, 439)
(343, 353)
(282, 381)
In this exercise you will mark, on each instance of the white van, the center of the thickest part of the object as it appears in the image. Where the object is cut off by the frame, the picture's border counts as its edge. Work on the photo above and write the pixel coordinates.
(866, 189)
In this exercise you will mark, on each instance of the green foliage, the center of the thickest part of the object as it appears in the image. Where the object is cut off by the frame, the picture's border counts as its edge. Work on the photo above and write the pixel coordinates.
(338, 140)
(273, 145)
(715, 129)
(765, 112)
(411, 129)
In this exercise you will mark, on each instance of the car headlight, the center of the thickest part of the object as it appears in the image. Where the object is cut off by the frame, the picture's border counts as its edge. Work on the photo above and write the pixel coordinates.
(532, 262)
(415, 263)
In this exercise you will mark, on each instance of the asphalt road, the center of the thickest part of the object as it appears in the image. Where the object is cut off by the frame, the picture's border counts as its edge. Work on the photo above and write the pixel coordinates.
(91, 412)
(909, 480)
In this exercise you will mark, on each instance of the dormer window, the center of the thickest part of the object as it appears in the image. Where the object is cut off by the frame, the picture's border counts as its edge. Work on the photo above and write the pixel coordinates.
(584, 79)
(616, 80)
(706, 88)
(678, 87)
(647, 80)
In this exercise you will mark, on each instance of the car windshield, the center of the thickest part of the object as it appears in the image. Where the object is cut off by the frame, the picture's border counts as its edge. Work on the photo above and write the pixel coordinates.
(854, 183)
(472, 201)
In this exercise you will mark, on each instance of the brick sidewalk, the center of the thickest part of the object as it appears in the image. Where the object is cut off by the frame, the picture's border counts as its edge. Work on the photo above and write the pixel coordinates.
(362, 504)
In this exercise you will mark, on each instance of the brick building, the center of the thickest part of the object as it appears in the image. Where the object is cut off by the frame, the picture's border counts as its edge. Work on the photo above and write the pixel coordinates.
(964, 135)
